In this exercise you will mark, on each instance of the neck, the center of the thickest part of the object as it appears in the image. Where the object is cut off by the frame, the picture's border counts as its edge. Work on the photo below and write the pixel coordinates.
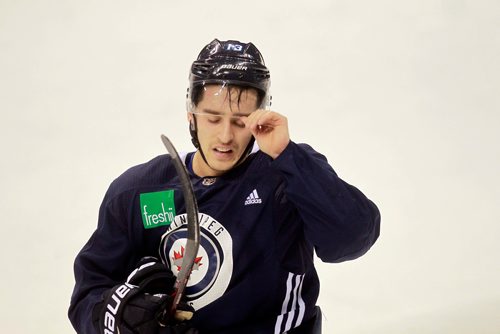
(201, 167)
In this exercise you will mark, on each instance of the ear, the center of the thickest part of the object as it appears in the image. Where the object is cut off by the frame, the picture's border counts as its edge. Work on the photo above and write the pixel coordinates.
(191, 121)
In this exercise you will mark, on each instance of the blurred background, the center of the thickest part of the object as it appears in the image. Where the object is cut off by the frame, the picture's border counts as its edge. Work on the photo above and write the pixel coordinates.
(401, 96)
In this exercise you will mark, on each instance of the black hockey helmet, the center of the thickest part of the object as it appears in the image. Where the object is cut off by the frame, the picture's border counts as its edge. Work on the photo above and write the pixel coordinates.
(230, 63)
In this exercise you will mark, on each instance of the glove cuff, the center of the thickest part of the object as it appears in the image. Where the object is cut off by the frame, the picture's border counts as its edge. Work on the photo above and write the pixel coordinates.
(107, 315)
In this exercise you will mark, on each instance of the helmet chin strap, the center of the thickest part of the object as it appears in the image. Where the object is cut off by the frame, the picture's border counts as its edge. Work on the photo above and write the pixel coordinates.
(193, 130)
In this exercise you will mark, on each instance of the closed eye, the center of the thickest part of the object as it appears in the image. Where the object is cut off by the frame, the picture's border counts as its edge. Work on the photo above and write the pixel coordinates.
(214, 119)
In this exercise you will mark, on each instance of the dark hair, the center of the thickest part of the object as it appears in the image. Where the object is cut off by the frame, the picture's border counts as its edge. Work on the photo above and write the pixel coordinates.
(197, 93)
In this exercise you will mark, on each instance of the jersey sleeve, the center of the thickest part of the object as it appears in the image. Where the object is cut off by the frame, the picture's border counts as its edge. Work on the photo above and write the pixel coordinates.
(102, 263)
(339, 220)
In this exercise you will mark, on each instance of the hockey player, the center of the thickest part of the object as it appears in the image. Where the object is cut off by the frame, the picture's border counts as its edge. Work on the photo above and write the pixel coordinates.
(266, 203)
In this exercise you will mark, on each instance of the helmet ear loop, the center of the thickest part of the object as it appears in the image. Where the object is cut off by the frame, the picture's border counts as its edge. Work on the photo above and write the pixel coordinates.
(193, 130)
(247, 151)
(193, 125)
(192, 122)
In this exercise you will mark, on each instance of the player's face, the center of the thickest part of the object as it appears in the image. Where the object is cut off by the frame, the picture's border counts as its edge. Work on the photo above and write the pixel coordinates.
(221, 131)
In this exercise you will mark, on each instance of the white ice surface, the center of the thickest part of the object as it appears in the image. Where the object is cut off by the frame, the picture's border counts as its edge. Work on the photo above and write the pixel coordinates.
(401, 96)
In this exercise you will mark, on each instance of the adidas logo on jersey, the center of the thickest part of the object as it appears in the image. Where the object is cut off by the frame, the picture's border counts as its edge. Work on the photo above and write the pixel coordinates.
(253, 198)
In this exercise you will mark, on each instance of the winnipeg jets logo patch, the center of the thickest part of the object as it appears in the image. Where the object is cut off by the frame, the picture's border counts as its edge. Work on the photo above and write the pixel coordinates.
(253, 198)
(213, 265)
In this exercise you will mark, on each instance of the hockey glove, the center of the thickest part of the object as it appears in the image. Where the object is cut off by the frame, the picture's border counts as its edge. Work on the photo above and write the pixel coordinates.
(142, 303)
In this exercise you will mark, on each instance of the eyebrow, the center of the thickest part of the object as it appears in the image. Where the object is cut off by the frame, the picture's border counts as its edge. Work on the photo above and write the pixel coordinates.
(218, 113)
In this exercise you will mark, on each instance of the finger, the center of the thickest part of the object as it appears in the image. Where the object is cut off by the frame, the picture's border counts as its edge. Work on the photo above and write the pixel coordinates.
(183, 315)
(265, 117)
(268, 120)
(259, 121)
(250, 121)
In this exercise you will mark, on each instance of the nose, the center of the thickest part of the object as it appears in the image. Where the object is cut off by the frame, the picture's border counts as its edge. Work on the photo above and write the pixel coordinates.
(226, 134)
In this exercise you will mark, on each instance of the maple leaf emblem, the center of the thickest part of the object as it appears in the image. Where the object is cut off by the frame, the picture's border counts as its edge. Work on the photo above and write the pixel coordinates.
(178, 256)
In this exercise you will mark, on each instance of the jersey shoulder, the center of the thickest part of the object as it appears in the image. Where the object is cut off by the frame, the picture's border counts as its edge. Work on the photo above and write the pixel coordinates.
(148, 174)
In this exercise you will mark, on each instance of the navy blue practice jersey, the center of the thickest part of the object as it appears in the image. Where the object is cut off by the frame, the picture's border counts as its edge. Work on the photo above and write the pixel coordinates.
(260, 225)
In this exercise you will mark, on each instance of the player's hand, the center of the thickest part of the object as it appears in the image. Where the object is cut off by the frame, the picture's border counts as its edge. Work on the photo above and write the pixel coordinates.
(270, 130)
(142, 304)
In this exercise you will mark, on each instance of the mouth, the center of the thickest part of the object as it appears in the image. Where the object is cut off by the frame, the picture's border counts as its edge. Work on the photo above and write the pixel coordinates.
(223, 150)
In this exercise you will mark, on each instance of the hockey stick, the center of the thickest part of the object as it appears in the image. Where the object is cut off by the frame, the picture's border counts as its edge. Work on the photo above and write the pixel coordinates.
(193, 226)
